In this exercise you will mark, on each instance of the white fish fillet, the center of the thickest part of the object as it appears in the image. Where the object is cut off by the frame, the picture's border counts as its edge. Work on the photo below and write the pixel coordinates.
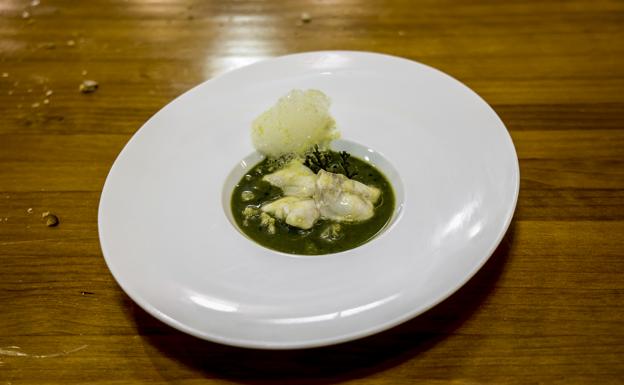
(344, 200)
(324, 195)
(297, 212)
(328, 180)
(295, 180)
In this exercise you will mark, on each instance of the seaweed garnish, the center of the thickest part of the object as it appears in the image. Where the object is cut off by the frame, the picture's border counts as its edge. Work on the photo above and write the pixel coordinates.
(349, 170)
(318, 159)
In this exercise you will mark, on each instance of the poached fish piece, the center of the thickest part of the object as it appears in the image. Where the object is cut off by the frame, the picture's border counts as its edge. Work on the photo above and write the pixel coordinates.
(344, 200)
(295, 180)
(326, 195)
(368, 193)
(295, 211)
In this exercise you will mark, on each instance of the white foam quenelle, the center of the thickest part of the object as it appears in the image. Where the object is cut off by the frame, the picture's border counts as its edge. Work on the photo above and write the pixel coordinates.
(298, 121)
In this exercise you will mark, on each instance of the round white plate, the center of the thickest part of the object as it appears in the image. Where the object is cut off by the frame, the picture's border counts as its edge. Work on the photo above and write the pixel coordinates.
(163, 218)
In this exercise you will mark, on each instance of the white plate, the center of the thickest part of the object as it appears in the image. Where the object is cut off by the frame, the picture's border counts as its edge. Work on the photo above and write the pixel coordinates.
(166, 237)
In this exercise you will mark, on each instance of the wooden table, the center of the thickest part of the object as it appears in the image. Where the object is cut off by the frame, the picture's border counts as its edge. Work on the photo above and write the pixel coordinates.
(547, 307)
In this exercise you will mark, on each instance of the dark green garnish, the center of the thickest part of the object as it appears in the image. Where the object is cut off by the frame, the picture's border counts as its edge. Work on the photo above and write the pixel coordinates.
(349, 171)
(317, 160)
(326, 160)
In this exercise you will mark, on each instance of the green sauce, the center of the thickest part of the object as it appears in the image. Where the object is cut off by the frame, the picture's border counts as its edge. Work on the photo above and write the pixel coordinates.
(325, 237)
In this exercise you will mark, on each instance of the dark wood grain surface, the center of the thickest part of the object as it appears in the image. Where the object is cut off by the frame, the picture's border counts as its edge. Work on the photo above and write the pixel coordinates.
(547, 308)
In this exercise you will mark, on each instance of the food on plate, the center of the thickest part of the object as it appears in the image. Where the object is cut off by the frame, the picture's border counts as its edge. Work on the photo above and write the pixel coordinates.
(304, 197)
(298, 121)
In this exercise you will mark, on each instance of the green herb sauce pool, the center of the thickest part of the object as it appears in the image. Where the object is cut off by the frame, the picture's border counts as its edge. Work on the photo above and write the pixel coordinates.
(314, 241)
